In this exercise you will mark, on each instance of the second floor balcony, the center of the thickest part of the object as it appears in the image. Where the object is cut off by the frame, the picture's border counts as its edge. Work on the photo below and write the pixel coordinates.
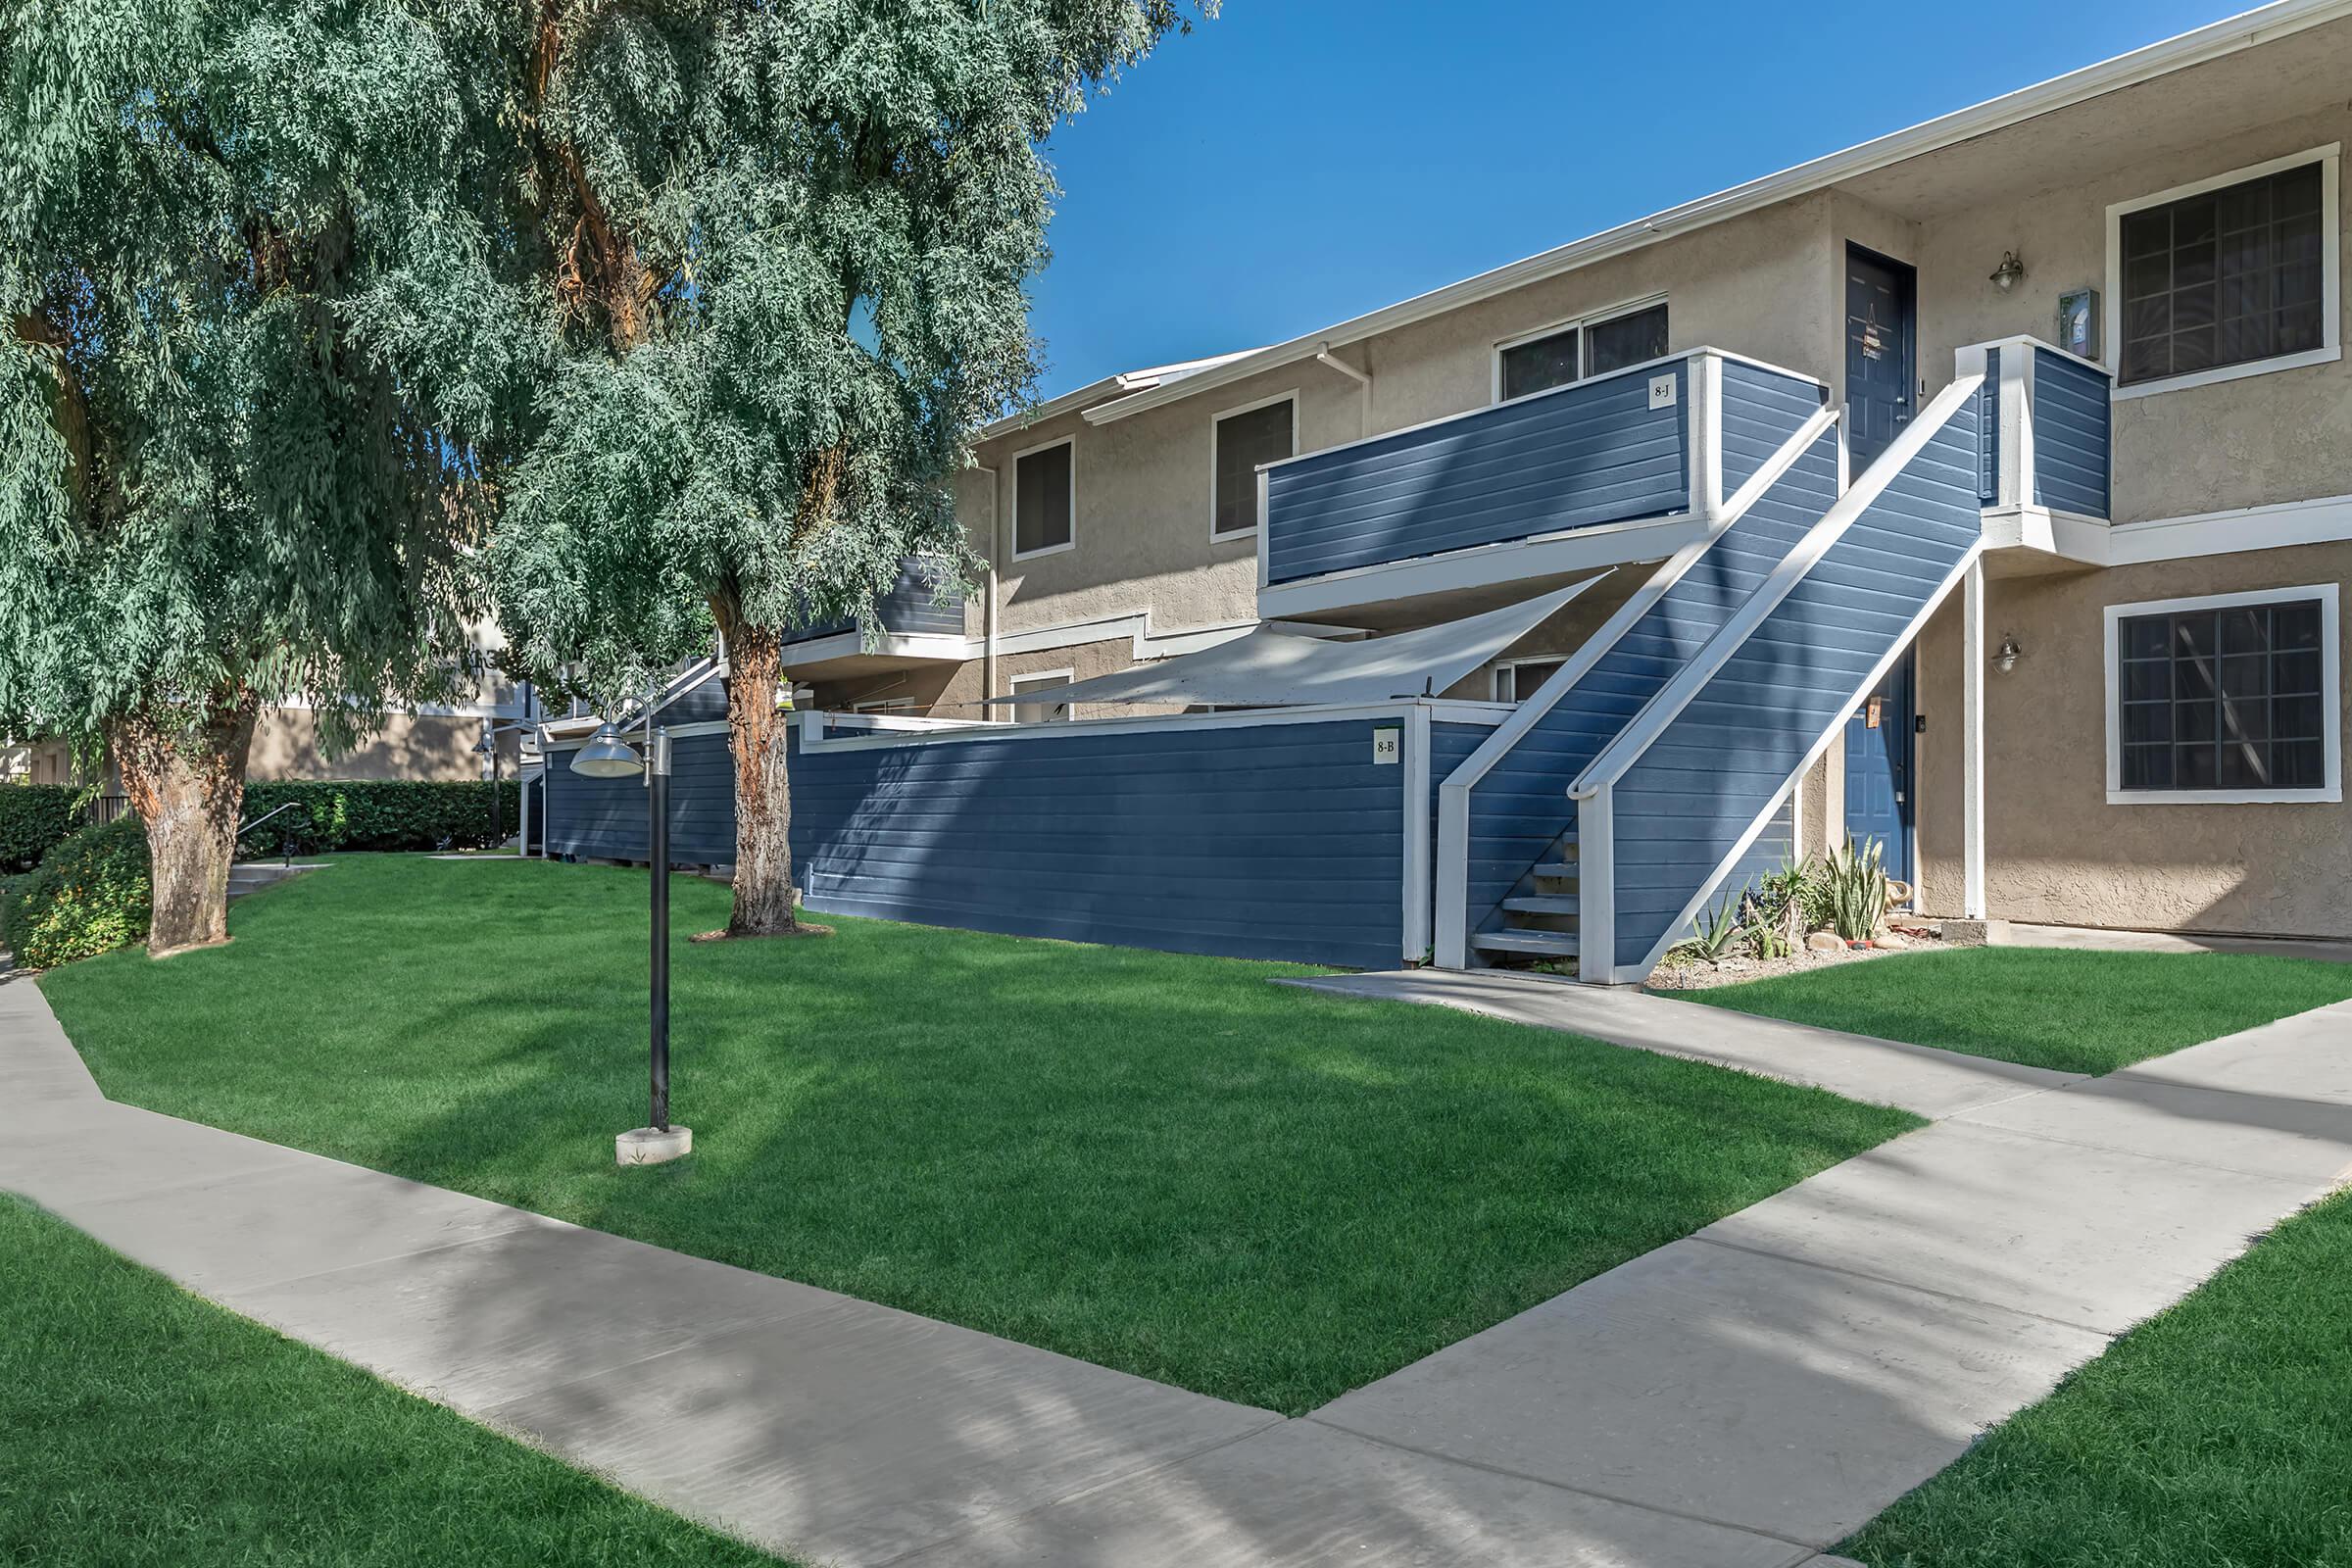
(1628, 466)
(918, 626)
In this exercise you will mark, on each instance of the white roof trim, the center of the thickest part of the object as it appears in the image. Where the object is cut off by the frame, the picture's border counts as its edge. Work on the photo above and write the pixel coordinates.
(1123, 383)
(2206, 43)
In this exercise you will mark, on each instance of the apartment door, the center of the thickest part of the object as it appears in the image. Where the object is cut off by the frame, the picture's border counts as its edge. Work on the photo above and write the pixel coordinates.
(1878, 798)
(1881, 358)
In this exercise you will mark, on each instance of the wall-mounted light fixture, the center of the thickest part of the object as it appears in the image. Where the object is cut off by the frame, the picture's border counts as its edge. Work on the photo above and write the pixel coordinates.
(2005, 657)
(2005, 276)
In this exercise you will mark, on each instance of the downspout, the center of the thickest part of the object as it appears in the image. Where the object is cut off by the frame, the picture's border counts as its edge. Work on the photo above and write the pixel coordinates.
(987, 613)
(1363, 386)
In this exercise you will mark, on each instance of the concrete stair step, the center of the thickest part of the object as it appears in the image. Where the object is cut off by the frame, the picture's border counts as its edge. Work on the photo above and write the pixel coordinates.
(1548, 944)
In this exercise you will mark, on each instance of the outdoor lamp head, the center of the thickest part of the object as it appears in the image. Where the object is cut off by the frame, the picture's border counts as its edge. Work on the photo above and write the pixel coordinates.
(608, 756)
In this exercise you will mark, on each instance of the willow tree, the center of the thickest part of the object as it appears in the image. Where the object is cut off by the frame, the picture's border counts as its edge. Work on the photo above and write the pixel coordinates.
(786, 246)
(232, 443)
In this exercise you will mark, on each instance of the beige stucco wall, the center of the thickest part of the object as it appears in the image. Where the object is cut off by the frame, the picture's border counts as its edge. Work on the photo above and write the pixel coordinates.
(2055, 849)
(285, 746)
(2256, 440)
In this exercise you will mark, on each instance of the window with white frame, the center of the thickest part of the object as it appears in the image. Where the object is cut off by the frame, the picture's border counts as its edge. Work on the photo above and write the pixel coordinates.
(1244, 438)
(2226, 698)
(2229, 276)
(1516, 680)
(1572, 350)
(1043, 500)
(1044, 680)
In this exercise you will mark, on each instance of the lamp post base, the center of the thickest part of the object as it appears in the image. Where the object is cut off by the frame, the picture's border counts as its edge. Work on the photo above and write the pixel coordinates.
(651, 1145)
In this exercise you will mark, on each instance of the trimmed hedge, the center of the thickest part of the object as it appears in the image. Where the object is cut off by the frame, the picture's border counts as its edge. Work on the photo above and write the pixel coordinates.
(384, 814)
(33, 818)
(90, 895)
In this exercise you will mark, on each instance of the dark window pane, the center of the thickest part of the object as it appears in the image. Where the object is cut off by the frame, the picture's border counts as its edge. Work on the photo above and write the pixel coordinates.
(2147, 723)
(1041, 503)
(2296, 626)
(1244, 441)
(2245, 767)
(2298, 765)
(2147, 767)
(2147, 637)
(1624, 340)
(2223, 278)
(2193, 768)
(2294, 673)
(1548, 361)
(2297, 718)
(2195, 721)
(2147, 680)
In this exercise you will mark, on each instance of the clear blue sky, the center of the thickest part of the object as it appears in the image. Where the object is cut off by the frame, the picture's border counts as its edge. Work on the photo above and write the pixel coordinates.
(1296, 162)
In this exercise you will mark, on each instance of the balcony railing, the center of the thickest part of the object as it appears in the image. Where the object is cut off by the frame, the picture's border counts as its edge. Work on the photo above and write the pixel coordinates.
(1520, 488)
(2048, 445)
(910, 609)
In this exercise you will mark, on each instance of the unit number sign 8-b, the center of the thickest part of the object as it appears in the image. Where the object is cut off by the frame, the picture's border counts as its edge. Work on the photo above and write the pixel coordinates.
(1387, 746)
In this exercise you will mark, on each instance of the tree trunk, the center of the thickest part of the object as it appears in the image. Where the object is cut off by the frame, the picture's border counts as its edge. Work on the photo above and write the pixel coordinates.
(761, 740)
(187, 782)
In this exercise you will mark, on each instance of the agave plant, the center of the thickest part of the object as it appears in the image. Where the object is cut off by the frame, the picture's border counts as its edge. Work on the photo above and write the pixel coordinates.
(1715, 930)
(1854, 880)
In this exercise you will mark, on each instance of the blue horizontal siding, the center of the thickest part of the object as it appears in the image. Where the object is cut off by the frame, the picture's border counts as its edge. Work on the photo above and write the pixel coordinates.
(1737, 745)
(606, 818)
(1589, 452)
(2070, 436)
(1988, 427)
(1280, 841)
(912, 606)
(1520, 808)
(1761, 409)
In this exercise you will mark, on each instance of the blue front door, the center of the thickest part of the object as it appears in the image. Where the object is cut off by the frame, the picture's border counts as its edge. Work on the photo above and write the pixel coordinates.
(1880, 353)
(1879, 799)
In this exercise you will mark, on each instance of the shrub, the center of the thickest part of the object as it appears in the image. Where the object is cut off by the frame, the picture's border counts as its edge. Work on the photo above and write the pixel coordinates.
(388, 814)
(33, 818)
(1855, 881)
(90, 894)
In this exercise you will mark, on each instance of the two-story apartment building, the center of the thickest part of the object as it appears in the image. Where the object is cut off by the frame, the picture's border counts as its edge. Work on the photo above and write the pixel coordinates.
(1986, 487)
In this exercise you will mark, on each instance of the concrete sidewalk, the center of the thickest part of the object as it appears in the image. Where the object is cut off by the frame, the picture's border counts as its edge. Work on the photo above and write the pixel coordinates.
(1920, 1079)
(1738, 1399)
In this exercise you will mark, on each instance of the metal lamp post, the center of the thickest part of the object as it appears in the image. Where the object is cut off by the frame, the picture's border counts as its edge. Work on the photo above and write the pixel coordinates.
(608, 756)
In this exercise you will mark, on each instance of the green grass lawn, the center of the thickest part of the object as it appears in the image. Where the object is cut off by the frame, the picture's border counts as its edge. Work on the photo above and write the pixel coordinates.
(142, 1426)
(2216, 1435)
(2046, 1006)
(1150, 1161)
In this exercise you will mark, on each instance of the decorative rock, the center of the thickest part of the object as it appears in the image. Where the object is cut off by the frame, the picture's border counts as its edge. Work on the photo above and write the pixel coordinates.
(1888, 940)
(1824, 942)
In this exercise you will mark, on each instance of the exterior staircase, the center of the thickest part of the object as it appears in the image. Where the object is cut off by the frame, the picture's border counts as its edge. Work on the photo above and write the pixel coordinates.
(1632, 787)
(1510, 855)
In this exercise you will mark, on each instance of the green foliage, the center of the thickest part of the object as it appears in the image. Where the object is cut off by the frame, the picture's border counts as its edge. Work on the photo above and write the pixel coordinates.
(33, 816)
(783, 252)
(387, 814)
(1854, 887)
(89, 894)
(1716, 930)
(236, 401)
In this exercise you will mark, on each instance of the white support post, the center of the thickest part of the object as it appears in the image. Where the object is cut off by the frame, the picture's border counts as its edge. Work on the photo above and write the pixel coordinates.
(1419, 783)
(1595, 890)
(1972, 743)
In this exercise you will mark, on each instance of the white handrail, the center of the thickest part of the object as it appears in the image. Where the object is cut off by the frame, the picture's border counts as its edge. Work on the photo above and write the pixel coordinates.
(1620, 755)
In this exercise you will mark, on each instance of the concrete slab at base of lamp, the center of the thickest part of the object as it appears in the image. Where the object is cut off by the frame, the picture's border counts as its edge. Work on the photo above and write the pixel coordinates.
(652, 1146)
